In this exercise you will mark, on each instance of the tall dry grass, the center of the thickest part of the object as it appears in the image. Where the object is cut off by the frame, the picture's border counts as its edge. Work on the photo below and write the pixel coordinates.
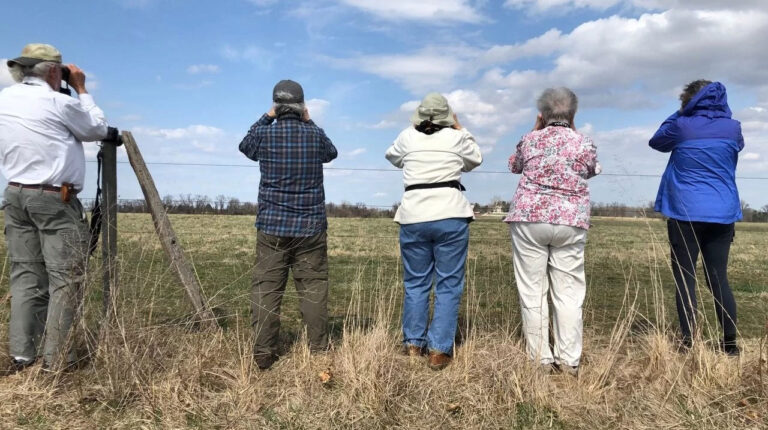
(145, 374)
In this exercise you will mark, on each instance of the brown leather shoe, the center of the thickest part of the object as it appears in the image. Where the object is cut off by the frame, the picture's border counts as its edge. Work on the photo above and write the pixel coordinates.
(413, 351)
(438, 360)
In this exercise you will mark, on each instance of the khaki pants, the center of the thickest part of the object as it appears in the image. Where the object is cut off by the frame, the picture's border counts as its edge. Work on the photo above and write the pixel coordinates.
(549, 258)
(47, 243)
(308, 260)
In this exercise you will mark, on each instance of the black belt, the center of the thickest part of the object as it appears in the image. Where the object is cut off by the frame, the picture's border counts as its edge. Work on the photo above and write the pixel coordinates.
(449, 184)
(44, 187)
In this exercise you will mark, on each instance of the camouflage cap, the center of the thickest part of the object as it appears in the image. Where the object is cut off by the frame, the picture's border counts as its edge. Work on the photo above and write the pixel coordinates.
(36, 53)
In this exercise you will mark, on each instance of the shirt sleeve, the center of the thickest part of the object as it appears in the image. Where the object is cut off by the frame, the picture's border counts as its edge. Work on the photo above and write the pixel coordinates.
(517, 160)
(83, 118)
(667, 136)
(328, 150)
(590, 158)
(250, 143)
(396, 153)
(740, 139)
(470, 151)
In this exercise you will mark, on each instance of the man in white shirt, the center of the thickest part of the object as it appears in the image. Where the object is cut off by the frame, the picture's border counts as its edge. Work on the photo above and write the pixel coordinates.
(41, 156)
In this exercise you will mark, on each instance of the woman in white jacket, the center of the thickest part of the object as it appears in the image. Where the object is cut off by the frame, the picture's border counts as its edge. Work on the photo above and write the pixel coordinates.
(434, 221)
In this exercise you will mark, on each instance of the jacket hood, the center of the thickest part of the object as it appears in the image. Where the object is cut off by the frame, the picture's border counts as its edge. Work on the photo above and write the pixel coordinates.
(711, 101)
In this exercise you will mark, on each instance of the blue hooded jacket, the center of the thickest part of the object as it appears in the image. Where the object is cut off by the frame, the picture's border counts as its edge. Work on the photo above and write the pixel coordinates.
(699, 183)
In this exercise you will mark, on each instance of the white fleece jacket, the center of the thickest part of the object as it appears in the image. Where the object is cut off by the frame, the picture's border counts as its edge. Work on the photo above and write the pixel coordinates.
(426, 159)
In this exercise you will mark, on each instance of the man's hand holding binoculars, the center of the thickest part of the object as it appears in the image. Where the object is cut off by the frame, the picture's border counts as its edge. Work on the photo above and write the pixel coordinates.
(75, 77)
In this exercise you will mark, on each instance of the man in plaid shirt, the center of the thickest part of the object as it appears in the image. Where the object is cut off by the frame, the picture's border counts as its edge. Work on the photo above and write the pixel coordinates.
(291, 219)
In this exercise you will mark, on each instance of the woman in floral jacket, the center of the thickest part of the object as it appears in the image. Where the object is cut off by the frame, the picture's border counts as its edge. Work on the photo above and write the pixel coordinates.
(549, 218)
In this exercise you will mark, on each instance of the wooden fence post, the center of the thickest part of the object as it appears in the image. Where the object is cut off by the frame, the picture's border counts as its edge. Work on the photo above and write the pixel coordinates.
(109, 222)
(167, 235)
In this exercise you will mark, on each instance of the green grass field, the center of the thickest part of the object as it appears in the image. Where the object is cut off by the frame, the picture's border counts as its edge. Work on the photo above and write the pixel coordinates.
(151, 369)
(621, 254)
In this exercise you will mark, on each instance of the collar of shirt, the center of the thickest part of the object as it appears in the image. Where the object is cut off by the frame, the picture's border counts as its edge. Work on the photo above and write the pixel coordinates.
(288, 116)
(33, 80)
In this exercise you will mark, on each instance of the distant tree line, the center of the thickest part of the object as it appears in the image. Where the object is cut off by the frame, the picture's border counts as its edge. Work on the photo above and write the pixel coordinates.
(754, 215)
(623, 211)
(224, 205)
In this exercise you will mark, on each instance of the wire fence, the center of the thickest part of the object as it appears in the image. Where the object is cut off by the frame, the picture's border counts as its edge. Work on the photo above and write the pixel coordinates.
(375, 169)
(201, 204)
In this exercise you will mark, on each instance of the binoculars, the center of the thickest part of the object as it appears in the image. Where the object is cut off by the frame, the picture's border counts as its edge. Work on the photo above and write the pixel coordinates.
(65, 77)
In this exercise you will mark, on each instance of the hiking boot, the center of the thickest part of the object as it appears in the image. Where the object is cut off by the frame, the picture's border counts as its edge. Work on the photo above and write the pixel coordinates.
(438, 360)
(730, 348)
(413, 351)
(547, 368)
(17, 366)
(567, 370)
(264, 361)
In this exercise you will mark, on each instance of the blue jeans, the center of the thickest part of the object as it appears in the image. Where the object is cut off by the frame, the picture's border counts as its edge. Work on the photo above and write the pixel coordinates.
(434, 249)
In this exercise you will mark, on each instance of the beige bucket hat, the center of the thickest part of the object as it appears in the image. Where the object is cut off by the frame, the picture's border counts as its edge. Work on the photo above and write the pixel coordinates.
(36, 53)
(434, 108)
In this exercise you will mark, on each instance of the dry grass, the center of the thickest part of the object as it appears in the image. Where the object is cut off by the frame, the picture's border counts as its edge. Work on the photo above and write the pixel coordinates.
(150, 369)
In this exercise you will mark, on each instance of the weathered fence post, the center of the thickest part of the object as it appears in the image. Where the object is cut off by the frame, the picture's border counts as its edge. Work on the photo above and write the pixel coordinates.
(109, 222)
(167, 235)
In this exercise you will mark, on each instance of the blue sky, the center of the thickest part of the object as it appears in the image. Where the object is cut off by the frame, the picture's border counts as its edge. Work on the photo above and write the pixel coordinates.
(188, 78)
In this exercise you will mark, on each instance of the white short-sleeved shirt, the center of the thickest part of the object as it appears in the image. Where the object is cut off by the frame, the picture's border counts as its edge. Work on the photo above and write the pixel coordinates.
(41, 134)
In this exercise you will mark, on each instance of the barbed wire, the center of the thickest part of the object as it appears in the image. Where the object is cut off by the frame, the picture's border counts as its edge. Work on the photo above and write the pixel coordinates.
(374, 169)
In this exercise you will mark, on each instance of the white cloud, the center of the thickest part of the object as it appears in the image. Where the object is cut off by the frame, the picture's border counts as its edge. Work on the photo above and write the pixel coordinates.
(261, 57)
(601, 5)
(615, 62)
(191, 131)
(355, 152)
(384, 124)
(754, 126)
(91, 81)
(635, 62)
(471, 109)
(5, 76)
(545, 44)
(543, 5)
(437, 12)
(206, 138)
(196, 69)
(418, 73)
(700, 4)
(410, 106)
(487, 115)
(380, 194)
(317, 109)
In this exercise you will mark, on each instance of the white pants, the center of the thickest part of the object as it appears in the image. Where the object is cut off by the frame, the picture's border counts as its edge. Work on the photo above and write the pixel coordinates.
(544, 256)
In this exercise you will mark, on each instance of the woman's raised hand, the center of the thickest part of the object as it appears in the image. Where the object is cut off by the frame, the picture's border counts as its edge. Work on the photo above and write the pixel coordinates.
(456, 123)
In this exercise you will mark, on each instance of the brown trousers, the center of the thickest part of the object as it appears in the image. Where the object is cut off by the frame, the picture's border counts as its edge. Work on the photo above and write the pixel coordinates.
(307, 257)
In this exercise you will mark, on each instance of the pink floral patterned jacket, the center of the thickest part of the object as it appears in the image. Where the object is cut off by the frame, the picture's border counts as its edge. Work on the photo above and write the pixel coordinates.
(555, 163)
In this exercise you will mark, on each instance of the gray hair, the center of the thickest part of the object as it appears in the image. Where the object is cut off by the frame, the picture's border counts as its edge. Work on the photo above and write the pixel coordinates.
(557, 104)
(39, 70)
(289, 108)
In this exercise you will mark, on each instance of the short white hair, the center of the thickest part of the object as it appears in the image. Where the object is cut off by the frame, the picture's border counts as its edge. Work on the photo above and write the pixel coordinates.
(289, 108)
(557, 104)
(39, 70)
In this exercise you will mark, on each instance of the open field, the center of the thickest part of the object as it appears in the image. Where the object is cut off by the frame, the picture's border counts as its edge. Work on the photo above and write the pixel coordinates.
(151, 369)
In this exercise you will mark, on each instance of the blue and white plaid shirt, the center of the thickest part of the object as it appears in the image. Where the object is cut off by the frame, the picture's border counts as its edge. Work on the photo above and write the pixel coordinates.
(291, 154)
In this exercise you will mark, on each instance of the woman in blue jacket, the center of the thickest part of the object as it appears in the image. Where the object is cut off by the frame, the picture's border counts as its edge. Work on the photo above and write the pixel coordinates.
(698, 194)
